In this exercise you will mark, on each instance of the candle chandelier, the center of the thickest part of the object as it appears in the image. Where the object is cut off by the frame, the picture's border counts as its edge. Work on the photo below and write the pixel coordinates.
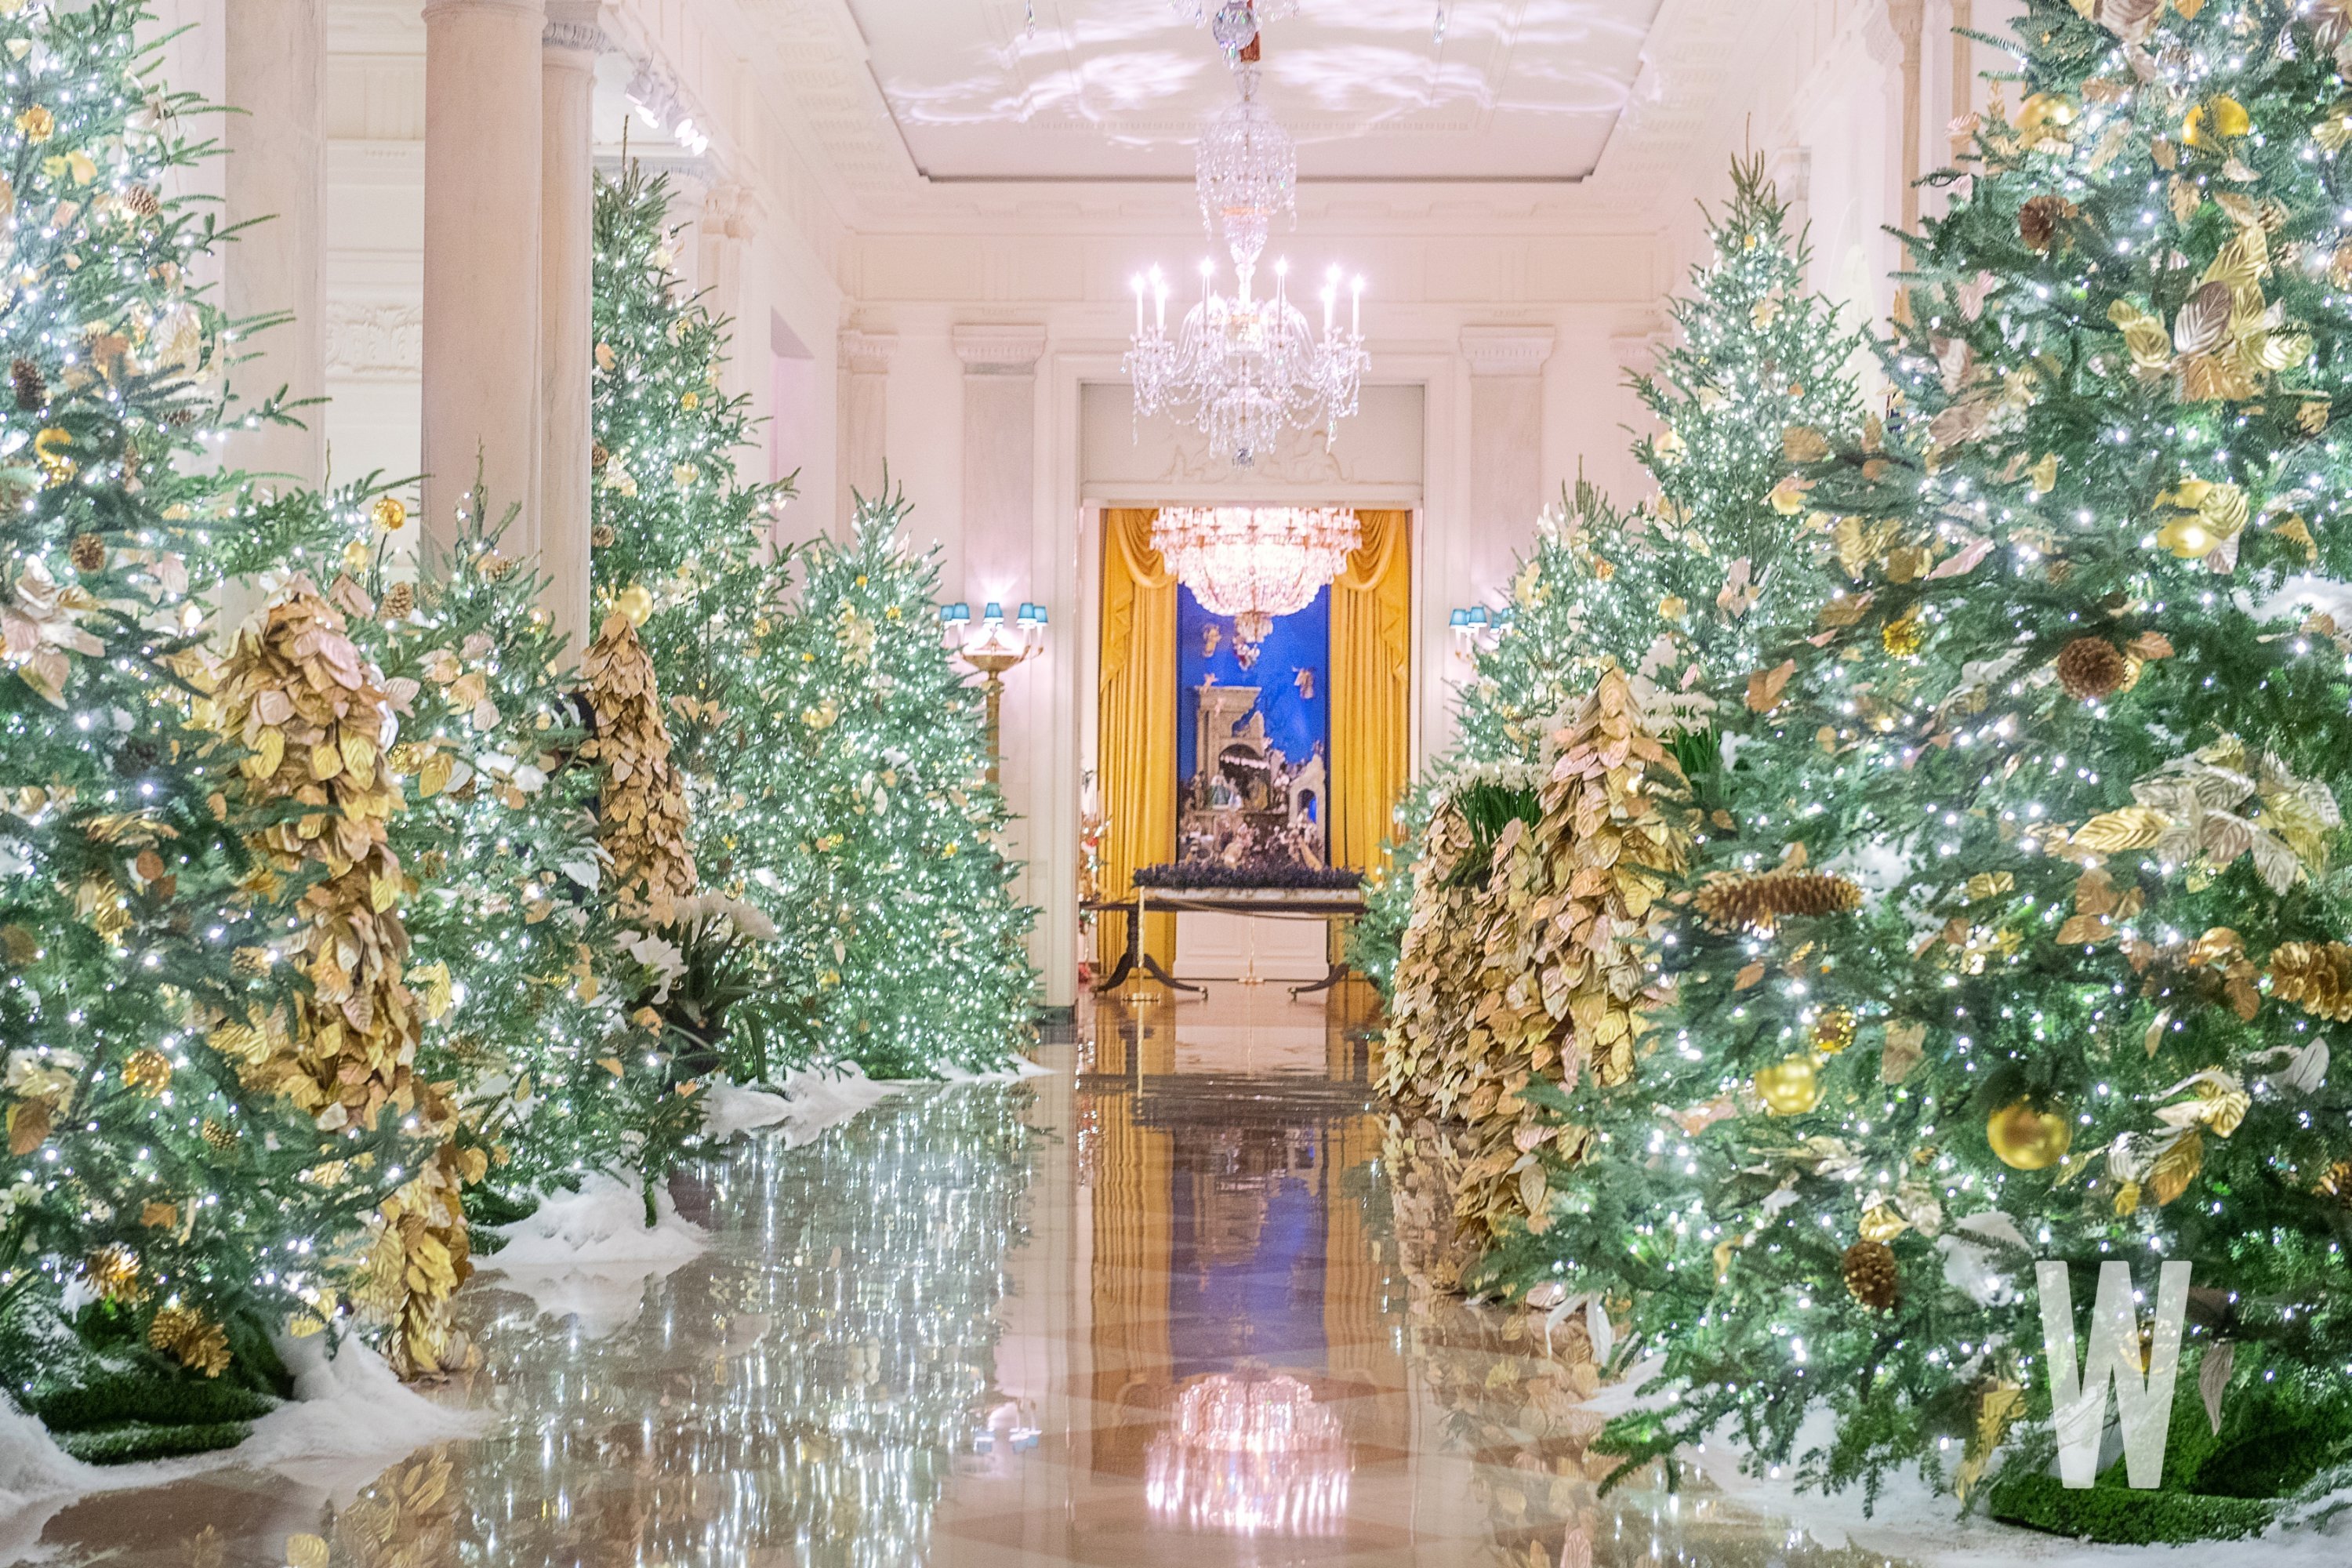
(1241, 367)
(1254, 564)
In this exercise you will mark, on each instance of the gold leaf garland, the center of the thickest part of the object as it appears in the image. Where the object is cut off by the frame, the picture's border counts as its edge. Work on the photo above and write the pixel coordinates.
(642, 809)
(298, 694)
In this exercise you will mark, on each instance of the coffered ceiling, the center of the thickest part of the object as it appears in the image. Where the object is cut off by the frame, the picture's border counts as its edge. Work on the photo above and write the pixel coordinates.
(1373, 90)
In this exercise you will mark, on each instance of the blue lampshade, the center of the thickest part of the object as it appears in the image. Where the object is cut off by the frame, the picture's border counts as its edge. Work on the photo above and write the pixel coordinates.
(1461, 618)
(1478, 615)
(994, 612)
(955, 614)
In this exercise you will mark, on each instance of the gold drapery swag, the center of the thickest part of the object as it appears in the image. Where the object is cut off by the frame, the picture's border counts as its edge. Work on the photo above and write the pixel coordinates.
(1371, 695)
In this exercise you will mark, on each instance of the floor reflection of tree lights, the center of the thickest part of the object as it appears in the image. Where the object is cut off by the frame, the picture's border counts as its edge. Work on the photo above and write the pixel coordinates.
(1250, 1454)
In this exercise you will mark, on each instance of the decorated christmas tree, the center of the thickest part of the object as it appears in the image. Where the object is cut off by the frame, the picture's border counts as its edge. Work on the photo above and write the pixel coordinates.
(2020, 931)
(512, 926)
(1685, 590)
(168, 1205)
(676, 539)
(873, 832)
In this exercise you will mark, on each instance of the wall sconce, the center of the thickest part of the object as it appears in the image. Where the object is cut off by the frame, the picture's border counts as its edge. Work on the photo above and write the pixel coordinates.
(1476, 629)
(993, 652)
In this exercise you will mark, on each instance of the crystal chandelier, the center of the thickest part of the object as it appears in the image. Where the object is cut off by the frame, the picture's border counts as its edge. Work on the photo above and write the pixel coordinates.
(1254, 564)
(1235, 23)
(1243, 368)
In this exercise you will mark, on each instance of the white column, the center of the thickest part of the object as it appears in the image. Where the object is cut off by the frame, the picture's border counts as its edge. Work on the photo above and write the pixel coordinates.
(483, 135)
(275, 169)
(1000, 542)
(568, 53)
(864, 418)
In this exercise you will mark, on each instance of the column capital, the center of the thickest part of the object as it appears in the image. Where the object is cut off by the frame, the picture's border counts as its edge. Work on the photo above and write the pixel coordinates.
(522, 10)
(732, 209)
(867, 354)
(990, 349)
(1507, 350)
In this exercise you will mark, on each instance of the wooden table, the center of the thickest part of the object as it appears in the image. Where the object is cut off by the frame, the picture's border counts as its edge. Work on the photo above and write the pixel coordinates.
(1297, 903)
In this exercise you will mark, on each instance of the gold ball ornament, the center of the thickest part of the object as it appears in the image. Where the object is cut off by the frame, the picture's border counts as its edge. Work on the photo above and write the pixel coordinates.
(636, 602)
(388, 513)
(2189, 538)
(2219, 119)
(1904, 638)
(2026, 1139)
(1791, 1086)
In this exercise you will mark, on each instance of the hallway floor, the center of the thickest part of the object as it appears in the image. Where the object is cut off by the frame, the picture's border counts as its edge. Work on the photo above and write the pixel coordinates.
(1147, 1311)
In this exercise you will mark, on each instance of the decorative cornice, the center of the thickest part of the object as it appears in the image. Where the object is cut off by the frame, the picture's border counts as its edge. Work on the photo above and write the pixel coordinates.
(867, 354)
(992, 350)
(1507, 350)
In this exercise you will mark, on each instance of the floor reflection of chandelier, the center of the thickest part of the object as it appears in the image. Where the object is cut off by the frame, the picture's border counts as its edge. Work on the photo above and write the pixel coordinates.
(1250, 1455)
(1254, 564)
(1241, 368)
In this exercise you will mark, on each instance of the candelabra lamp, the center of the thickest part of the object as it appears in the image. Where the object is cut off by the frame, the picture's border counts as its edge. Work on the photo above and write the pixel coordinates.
(991, 653)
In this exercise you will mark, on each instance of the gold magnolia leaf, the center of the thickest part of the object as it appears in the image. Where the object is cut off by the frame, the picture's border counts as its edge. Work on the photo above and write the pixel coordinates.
(2203, 320)
(1764, 686)
(2176, 1167)
(2130, 827)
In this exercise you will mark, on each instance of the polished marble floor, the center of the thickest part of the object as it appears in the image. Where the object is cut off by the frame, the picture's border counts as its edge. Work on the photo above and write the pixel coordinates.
(1157, 1308)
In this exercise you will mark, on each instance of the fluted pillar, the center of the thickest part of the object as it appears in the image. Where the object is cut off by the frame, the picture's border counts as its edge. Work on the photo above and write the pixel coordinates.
(566, 274)
(483, 132)
(274, 72)
(865, 416)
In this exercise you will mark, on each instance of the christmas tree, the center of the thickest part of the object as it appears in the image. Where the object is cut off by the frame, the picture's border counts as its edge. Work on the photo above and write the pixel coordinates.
(674, 533)
(2020, 922)
(513, 930)
(873, 831)
(166, 1209)
(1689, 588)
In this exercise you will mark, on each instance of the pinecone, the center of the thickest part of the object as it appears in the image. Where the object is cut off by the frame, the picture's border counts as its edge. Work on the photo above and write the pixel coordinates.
(2038, 220)
(2316, 977)
(32, 389)
(598, 457)
(2337, 1183)
(1761, 903)
(2092, 667)
(399, 601)
(601, 537)
(495, 567)
(218, 1136)
(1870, 1276)
(143, 201)
(88, 552)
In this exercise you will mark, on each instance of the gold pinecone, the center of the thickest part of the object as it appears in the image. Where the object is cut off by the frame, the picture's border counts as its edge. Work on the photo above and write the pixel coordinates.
(148, 1071)
(1761, 903)
(1868, 1268)
(190, 1338)
(1903, 638)
(602, 536)
(88, 552)
(143, 201)
(2092, 667)
(495, 567)
(1833, 1030)
(399, 600)
(598, 457)
(218, 1136)
(2316, 977)
(32, 389)
(113, 1272)
(2337, 1183)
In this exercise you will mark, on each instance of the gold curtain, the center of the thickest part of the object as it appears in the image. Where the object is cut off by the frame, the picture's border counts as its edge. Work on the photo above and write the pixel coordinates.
(1135, 744)
(1372, 688)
